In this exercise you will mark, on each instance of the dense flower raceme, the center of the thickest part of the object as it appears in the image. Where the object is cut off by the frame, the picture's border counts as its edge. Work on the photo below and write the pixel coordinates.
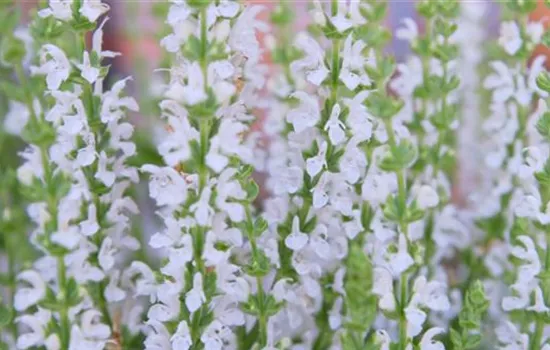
(75, 175)
(213, 280)
(363, 241)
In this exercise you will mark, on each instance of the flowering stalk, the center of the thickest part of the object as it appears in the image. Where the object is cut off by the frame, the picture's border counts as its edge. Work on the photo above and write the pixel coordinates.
(14, 250)
(504, 212)
(75, 174)
(205, 191)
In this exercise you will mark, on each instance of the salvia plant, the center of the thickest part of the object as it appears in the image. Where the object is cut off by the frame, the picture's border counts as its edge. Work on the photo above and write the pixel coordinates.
(286, 184)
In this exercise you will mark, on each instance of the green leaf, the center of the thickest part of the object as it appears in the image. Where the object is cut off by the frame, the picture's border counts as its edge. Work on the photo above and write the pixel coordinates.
(400, 157)
(543, 81)
(383, 106)
(543, 124)
(12, 50)
(260, 226)
(50, 301)
(73, 297)
(282, 14)
(259, 267)
(522, 6)
(472, 341)
(427, 8)
(6, 316)
(367, 214)
(456, 339)
(252, 190)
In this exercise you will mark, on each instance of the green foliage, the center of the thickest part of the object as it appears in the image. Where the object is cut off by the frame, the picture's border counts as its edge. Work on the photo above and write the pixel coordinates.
(383, 106)
(400, 157)
(468, 336)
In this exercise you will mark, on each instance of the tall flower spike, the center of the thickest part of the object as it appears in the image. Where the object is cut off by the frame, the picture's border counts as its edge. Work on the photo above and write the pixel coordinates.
(528, 242)
(78, 182)
(510, 140)
(211, 276)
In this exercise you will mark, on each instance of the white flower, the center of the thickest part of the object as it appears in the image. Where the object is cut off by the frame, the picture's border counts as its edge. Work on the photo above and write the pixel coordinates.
(296, 240)
(97, 42)
(291, 180)
(340, 21)
(88, 72)
(431, 294)
(535, 158)
(112, 104)
(80, 341)
(216, 335)
(54, 64)
(194, 91)
(92, 9)
(320, 191)
(92, 327)
(60, 9)
(229, 189)
(158, 337)
(502, 81)
(427, 197)
(428, 343)
(415, 319)
(335, 127)
(87, 154)
(106, 255)
(90, 226)
(510, 338)
(535, 30)
(315, 164)
(16, 118)
(383, 288)
(377, 186)
(510, 37)
(383, 339)
(359, 120)
(36, 323)
(181, 339)
(242, 37)
(113, 293)
(67, 237)
(312, 64)
(353, 73)
(166, 186)
(352, 162)
(409, 32)
(103, 174)
(307, 114)
(29, 296)
(195, 297)
(202, 209)
(401, 260)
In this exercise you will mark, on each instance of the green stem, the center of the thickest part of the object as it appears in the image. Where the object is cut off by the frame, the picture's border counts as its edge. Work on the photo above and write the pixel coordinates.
(534, 344)
(403, 339)
(64, 312)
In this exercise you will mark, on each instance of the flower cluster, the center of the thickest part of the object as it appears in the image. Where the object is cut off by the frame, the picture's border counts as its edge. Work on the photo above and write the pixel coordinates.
(374, 225)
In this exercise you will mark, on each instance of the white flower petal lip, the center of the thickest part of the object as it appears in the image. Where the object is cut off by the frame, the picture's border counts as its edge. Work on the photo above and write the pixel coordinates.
(427, 197)
(54, 64)
(313, 63)
(92, 9)
(428, 343)
(307, 114)
(28, 296)
(510, 37)
(167, 186)
(296, 240)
